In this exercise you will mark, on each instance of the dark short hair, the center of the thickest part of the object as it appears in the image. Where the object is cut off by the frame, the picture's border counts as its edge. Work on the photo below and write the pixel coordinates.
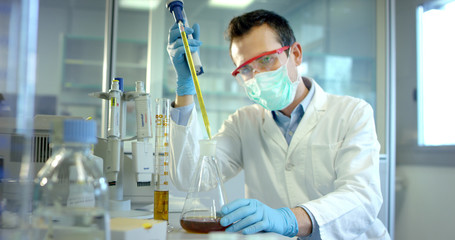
(241, 25)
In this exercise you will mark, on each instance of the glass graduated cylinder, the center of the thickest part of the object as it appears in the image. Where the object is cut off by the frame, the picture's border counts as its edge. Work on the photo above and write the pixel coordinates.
(161, 195)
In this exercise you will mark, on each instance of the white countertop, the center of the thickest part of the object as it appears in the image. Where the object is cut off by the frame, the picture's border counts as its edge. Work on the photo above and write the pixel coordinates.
(176, 232)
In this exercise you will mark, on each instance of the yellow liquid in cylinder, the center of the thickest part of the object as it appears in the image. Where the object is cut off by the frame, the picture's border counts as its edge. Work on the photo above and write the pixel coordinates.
(161, 205)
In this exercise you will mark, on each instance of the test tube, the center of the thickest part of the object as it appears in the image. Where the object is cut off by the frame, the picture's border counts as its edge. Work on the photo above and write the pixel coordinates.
(161, 196)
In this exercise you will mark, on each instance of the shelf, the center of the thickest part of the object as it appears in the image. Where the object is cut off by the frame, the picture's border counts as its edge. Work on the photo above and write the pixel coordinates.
(71, 85)
(83, 62)
(101, 38)
(82, 58)
(82, 37)
(98, 63)
(131, 65)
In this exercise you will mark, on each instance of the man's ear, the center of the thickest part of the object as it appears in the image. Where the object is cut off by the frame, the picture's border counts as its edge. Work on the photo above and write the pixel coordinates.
(296, 52)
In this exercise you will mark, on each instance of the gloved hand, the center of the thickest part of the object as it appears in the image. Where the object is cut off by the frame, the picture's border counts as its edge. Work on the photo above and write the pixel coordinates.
(176, 52)
(252, 216)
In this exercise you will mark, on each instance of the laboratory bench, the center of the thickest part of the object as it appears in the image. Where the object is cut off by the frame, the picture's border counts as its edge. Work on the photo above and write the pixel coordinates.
(176, 232)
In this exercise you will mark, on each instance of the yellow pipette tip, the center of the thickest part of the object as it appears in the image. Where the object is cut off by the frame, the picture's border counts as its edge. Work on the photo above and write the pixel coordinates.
(195, 80)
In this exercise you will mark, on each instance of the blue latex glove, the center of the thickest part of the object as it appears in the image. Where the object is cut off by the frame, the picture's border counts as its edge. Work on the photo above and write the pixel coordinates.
(176, 51)
(252, 216)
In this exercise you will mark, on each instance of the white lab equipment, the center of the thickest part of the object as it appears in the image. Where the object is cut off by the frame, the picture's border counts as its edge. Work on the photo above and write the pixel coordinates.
(142, 149)
(112, 148)
(143, 112)
(71, 197)
(134, 184)
(112, 165)
(115, 99)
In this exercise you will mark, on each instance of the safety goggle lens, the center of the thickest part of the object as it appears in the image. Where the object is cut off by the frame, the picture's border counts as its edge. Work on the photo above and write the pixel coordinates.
(265, 63)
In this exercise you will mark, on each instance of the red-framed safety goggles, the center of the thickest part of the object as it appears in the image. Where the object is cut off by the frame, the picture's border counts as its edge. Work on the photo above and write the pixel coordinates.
(264, 62)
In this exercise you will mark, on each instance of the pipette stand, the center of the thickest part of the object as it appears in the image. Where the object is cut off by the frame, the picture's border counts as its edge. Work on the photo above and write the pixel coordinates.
(112, 149)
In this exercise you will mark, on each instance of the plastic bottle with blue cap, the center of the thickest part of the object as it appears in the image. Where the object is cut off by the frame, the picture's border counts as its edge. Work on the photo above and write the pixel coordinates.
(71, 194)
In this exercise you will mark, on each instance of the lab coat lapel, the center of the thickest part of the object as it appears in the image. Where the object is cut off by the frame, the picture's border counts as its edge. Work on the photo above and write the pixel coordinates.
(272, 130)
(316, 109)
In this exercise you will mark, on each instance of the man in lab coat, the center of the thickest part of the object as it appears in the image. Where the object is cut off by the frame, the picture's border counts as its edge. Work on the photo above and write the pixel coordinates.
(311, 159)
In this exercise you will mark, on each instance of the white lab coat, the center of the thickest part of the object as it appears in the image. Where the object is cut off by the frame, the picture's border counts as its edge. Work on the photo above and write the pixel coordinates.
(331, 165)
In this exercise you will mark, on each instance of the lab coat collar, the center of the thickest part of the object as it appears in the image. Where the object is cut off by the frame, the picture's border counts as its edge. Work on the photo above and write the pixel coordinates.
(316, 109)
(313, 113)
(272, 130)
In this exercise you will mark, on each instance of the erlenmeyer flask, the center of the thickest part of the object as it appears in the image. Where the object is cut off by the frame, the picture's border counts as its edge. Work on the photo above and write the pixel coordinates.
(202, 208)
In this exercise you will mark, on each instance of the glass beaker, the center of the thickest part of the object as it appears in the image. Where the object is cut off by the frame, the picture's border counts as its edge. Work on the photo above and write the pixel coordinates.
(202, 208)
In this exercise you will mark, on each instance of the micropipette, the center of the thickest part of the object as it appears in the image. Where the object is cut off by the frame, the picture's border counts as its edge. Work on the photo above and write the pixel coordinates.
(115, 98)
(176, 8)
(112, 164)
(142, 149)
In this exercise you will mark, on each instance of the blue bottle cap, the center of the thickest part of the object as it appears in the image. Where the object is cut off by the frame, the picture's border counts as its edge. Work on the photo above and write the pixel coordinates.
(79, 131)
(120, 83)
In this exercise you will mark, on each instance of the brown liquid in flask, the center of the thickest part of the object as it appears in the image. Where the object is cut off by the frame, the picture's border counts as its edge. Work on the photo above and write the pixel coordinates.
(202, 225)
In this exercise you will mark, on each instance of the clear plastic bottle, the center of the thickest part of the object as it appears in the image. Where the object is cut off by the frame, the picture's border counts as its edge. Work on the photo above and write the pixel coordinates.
(201, 210)
(71, 195)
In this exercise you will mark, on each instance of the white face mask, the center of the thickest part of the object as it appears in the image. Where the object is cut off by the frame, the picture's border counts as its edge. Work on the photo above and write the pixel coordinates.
(272, 90)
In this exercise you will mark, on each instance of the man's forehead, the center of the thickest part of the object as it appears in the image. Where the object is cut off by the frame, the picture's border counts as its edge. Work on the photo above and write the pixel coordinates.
(258, 40)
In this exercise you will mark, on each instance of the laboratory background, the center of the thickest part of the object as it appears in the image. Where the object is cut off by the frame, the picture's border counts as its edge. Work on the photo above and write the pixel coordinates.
(57, 55)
